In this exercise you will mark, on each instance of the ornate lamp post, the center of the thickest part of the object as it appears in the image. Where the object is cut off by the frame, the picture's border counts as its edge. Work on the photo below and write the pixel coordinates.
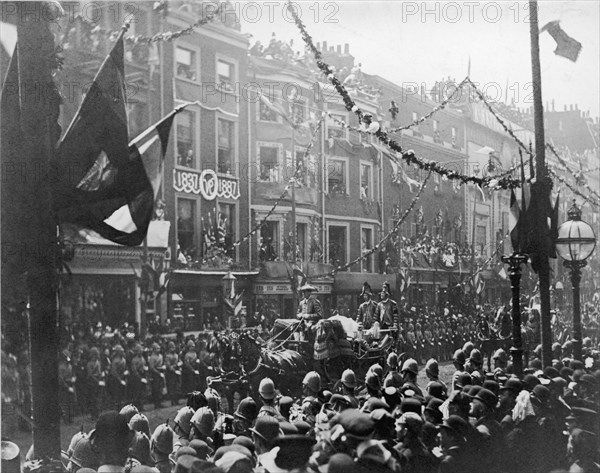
(575, 243)
(514, 262)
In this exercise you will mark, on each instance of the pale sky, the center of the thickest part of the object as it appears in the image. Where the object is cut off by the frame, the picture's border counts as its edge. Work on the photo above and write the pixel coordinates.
(426, 41)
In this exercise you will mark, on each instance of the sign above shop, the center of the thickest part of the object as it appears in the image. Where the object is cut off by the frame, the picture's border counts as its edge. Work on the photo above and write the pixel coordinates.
(206, 183)
(286, 288)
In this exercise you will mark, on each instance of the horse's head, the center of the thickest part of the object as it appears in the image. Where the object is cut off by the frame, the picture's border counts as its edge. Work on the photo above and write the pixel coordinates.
(249, 351)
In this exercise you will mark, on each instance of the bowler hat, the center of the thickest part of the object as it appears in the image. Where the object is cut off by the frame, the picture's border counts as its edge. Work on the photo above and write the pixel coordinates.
(457, 425)
(487, 397)
(512, 384)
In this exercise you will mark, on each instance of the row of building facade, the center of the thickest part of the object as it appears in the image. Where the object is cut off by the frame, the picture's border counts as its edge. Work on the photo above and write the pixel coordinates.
(231, 157)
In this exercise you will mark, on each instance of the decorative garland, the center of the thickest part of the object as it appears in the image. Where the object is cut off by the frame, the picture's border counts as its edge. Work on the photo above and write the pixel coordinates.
(386, 237)
(145, 39)
(292, 181)
(530, 153)
(499, 119)
(375, 128)
(577, 178)
(436, 109)
(562, 180)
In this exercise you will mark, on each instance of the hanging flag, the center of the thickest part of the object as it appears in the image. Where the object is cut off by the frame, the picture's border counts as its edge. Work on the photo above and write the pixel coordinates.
(299, 279)
(480, 286)
(565, 45)
(513, 223)
(120, 207)
(102, 182)
(276, 108)
(554, 226)
(8, 37)
(97, 136)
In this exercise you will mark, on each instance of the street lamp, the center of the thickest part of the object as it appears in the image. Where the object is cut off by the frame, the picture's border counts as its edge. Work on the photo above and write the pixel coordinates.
(575, 243)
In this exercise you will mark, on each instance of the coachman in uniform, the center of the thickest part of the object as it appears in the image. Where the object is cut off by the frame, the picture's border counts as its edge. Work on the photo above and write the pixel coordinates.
(387, 310)
(309, 312)
(366, 311)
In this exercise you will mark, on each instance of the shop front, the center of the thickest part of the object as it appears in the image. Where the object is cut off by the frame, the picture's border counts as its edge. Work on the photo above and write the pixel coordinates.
(347, 288)
(196, 298)
(274, 290)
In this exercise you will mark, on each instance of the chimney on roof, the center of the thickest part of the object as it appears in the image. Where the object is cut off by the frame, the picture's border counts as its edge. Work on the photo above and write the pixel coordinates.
(346, 48)
(339, 49)
(324, 46)
(319, 46)
(553, 105)
(332, 49)
(565, 108)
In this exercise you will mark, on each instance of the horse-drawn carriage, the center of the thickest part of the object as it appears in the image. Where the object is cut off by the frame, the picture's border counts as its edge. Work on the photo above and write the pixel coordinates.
(288, 355)
(339, 344)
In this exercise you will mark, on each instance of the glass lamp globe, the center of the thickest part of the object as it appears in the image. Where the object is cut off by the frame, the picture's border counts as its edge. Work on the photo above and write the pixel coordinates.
(576, 239)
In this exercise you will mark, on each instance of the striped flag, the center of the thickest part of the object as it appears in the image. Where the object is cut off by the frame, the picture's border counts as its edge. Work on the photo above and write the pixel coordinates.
(102, 182)
(235, 302)
(513, 222)
(117, 200)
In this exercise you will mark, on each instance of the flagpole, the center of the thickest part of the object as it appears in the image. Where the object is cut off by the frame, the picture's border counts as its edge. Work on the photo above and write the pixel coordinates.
(124, 28)
(40, 129)
(294, 233)
(544, 185)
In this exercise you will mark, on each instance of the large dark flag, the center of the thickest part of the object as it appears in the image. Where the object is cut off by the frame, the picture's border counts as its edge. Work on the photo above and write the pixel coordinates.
(118, 201)
(565, 45)
(102, 182)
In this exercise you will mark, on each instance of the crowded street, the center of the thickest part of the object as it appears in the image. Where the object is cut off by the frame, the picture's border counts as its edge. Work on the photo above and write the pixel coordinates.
(268, 237)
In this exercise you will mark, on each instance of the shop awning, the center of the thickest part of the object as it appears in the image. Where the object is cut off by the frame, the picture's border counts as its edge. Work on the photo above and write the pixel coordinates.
(214, 273)
(345, 283)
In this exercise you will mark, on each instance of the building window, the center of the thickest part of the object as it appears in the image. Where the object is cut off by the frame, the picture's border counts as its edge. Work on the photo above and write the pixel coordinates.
(437, 137)
(454, 143)
(225, 74)
(337, 245)
(186, 227)
(334, 128)
(337, 176)
(266, 113)
(366, 239)
(227, 228)
(185, 60)
(186, 143)
(366, 181)
(416, 129)
(226, 158)
(301, 237)
(269, 247)
(481, 238)
(298, 112)
(268, 163)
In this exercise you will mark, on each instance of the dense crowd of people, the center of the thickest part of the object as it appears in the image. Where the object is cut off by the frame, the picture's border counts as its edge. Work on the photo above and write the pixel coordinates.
(479, 422)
